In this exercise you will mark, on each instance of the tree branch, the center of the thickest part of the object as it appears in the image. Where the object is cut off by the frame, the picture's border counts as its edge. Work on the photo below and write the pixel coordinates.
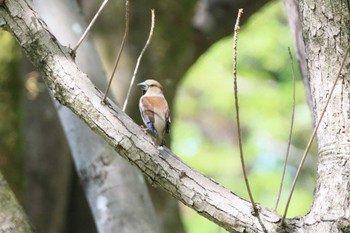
(74, 51)
(12, 216)
(72, 88)
(139, 60)
(235, 38)
(104, 175)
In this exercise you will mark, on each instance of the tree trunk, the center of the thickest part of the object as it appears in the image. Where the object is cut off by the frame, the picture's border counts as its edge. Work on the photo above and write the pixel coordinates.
(12, 217)
(292, 8)
(326, 34)
(48, 165)
(107, 179)
(72, 88)
(200, 23)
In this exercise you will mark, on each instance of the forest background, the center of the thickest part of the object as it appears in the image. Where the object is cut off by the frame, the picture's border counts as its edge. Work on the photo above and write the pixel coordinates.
(203, 132)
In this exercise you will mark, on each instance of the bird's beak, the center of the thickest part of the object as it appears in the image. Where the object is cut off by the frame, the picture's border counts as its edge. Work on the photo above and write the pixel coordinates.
(143, 86)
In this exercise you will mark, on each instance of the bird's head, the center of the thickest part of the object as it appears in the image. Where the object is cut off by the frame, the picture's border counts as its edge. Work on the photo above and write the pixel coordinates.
(150, 84)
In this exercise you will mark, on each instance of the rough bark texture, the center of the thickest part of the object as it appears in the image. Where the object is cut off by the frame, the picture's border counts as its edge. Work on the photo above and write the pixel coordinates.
(72, 88)
(171, 52)
(292, 9)
(12, 217)
(108, 179)
(326, 34)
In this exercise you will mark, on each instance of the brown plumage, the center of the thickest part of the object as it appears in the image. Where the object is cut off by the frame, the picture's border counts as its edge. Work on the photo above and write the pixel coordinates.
(154, 109)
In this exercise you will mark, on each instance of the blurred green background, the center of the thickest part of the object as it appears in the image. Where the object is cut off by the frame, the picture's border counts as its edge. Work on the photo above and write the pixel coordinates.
(203, 124)
(204, 130)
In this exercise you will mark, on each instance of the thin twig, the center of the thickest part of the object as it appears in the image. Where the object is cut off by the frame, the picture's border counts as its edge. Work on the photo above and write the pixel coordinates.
(126, 32)
(290, 130)
(313, 136)
(138, 61)
(88, 28)
(236, 30)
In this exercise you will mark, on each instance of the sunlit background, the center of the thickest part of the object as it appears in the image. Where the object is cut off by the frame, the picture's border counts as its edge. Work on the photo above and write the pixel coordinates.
(204, 130)
(203, 119)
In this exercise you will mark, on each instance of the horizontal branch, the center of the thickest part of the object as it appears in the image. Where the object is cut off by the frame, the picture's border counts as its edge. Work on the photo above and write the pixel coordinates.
(72, 88)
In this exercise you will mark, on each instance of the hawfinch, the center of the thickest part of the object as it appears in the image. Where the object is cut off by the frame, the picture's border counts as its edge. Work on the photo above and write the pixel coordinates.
(154, 110)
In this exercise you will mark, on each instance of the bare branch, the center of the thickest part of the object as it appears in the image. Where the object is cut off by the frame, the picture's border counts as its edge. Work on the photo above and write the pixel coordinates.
(138, 61)
(73, 52)
(313, 136)
(290, 130)
(235, 35)
(73, 89)
(126, 32)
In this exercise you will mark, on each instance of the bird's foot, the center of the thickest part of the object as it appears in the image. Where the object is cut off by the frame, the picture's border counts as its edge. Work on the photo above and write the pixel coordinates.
(143, 128)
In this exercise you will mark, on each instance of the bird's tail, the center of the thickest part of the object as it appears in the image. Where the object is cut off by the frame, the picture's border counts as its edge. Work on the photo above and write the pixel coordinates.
(160, 140)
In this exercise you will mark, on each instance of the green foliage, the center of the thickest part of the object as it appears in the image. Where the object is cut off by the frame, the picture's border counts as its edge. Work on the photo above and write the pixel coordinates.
(204, 131)
(10, 111)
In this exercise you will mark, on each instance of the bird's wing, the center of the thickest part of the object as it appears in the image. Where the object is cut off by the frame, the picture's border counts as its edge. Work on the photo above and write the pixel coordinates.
(147, 117)
(151, 106)
(167, 123)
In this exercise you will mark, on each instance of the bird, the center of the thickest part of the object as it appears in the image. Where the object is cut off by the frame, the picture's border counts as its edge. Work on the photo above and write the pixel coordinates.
(154, 110)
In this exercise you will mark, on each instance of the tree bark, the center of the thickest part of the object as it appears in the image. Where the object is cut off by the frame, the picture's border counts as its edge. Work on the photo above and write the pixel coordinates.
(12, 217)
(108, 180)
(326, 34)
(326, 38)
(172, 51)
(292, 9)
(72, 88)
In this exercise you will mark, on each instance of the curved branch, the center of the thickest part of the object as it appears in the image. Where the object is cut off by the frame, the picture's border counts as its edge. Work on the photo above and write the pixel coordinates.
(72, 88)
(105, 176)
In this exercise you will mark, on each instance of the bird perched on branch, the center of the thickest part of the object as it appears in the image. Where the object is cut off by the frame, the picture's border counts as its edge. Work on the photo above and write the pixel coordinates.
(154, 110)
